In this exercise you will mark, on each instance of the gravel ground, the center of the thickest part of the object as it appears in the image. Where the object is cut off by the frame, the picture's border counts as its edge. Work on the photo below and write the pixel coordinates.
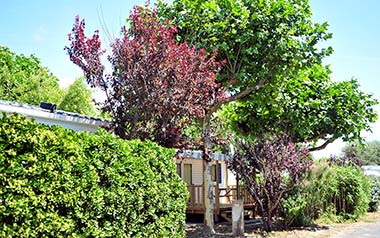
(368, 226)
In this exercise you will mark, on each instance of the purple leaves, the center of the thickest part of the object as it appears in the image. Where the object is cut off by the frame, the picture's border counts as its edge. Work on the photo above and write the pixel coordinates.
(269, 168)
(157, 85)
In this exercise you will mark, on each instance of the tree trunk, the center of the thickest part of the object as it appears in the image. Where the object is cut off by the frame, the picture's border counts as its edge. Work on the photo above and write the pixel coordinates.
(209, 202)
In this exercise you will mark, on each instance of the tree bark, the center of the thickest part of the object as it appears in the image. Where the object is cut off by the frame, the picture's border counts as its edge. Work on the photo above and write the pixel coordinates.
(209, 201)
(209, 198)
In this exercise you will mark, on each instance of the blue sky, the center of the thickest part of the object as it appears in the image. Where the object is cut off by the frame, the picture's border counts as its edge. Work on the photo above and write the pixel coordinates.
(40, 27)
(356, 42)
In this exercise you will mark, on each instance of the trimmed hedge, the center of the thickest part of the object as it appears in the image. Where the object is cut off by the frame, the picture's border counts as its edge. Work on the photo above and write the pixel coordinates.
(56, 182)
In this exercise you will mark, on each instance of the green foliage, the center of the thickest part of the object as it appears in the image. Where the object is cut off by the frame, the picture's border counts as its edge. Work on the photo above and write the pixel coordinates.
(329, 192)
(260, 40)
(55, 182)
(78, 98)
(293, 209)
(313, 192)
(271, 46)
(353, 192)
(308, 107)
(24, 80)
(367, 153)
(375, 195)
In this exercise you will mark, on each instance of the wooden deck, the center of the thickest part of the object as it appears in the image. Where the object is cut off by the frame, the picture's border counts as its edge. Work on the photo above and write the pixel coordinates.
(225, 198)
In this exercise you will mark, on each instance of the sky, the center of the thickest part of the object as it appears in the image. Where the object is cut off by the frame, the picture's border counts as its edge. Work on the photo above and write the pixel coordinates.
(40, 27)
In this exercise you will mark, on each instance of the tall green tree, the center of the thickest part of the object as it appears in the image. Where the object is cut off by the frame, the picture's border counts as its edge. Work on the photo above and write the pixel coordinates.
(309, 108)
(23, 79)
(262, 42)
(78, 98)
(367, 153)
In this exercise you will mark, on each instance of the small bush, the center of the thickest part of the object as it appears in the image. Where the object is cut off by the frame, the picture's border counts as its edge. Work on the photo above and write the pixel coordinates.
(353, 192)
(375, 195)
(58, 183)
(293, 208)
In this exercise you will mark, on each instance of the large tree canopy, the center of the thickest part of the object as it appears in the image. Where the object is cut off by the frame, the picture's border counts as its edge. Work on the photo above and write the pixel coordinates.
(23, 79)
(308, 108)
(262, 43)
(272, 46)
(260, 40)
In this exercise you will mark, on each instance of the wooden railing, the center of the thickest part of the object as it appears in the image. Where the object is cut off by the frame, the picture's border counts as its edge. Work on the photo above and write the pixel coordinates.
(230, 193)
(225, 197)
(195, 202)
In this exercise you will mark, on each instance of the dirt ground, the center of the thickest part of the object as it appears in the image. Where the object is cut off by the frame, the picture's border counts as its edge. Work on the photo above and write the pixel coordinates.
(252, 229)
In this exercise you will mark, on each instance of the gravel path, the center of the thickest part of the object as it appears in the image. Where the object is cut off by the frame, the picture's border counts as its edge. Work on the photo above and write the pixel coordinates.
(368, 227)
(369, 230)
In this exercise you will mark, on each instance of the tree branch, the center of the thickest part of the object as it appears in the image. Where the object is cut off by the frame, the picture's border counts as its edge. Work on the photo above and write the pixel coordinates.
(238, 96)
(323, 146)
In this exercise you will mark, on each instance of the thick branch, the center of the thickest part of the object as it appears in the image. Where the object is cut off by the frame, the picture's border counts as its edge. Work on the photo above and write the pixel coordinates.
(238, 96)
(323, 146)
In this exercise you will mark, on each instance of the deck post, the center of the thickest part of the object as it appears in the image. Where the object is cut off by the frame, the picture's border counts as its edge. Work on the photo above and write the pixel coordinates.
(238, 218)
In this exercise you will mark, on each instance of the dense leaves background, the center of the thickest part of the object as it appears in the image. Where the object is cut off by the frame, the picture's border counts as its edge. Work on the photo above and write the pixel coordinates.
(23, 79)
(330, 193)
(55, 182)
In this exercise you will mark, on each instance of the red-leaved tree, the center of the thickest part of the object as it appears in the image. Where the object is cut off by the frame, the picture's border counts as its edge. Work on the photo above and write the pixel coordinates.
(269, 168)
(157, 86)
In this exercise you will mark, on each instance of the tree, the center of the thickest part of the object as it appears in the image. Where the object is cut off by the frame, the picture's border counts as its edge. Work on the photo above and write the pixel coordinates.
(77, 98)
(367, 154)
(308, 108)
(262, 43)
(157, 85)
(270, 168)
(25, 80)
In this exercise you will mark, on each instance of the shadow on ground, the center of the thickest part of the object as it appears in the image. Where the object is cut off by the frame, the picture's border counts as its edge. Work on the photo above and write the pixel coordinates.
(252, 227)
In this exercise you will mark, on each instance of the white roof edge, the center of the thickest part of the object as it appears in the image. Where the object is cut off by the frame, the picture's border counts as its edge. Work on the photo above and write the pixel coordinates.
(59, 116)
(197, 154)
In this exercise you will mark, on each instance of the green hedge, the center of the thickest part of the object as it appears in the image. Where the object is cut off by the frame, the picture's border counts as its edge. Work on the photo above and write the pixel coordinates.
(330, 193)
(56, 182)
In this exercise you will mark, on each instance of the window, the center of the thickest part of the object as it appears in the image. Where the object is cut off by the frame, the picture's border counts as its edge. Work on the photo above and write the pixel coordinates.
(188, 172)
(219, 171)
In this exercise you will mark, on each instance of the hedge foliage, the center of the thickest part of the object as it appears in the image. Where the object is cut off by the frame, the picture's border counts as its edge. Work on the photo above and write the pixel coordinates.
(330, 192)
(375, 195)
(56, 182)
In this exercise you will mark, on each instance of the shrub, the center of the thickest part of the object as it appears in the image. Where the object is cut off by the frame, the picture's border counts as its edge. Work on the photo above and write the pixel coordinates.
(293, 209)
(375, 195)
(55, 182)
(308, 201)
(333, 192)
(269, 168)
(353, 192)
